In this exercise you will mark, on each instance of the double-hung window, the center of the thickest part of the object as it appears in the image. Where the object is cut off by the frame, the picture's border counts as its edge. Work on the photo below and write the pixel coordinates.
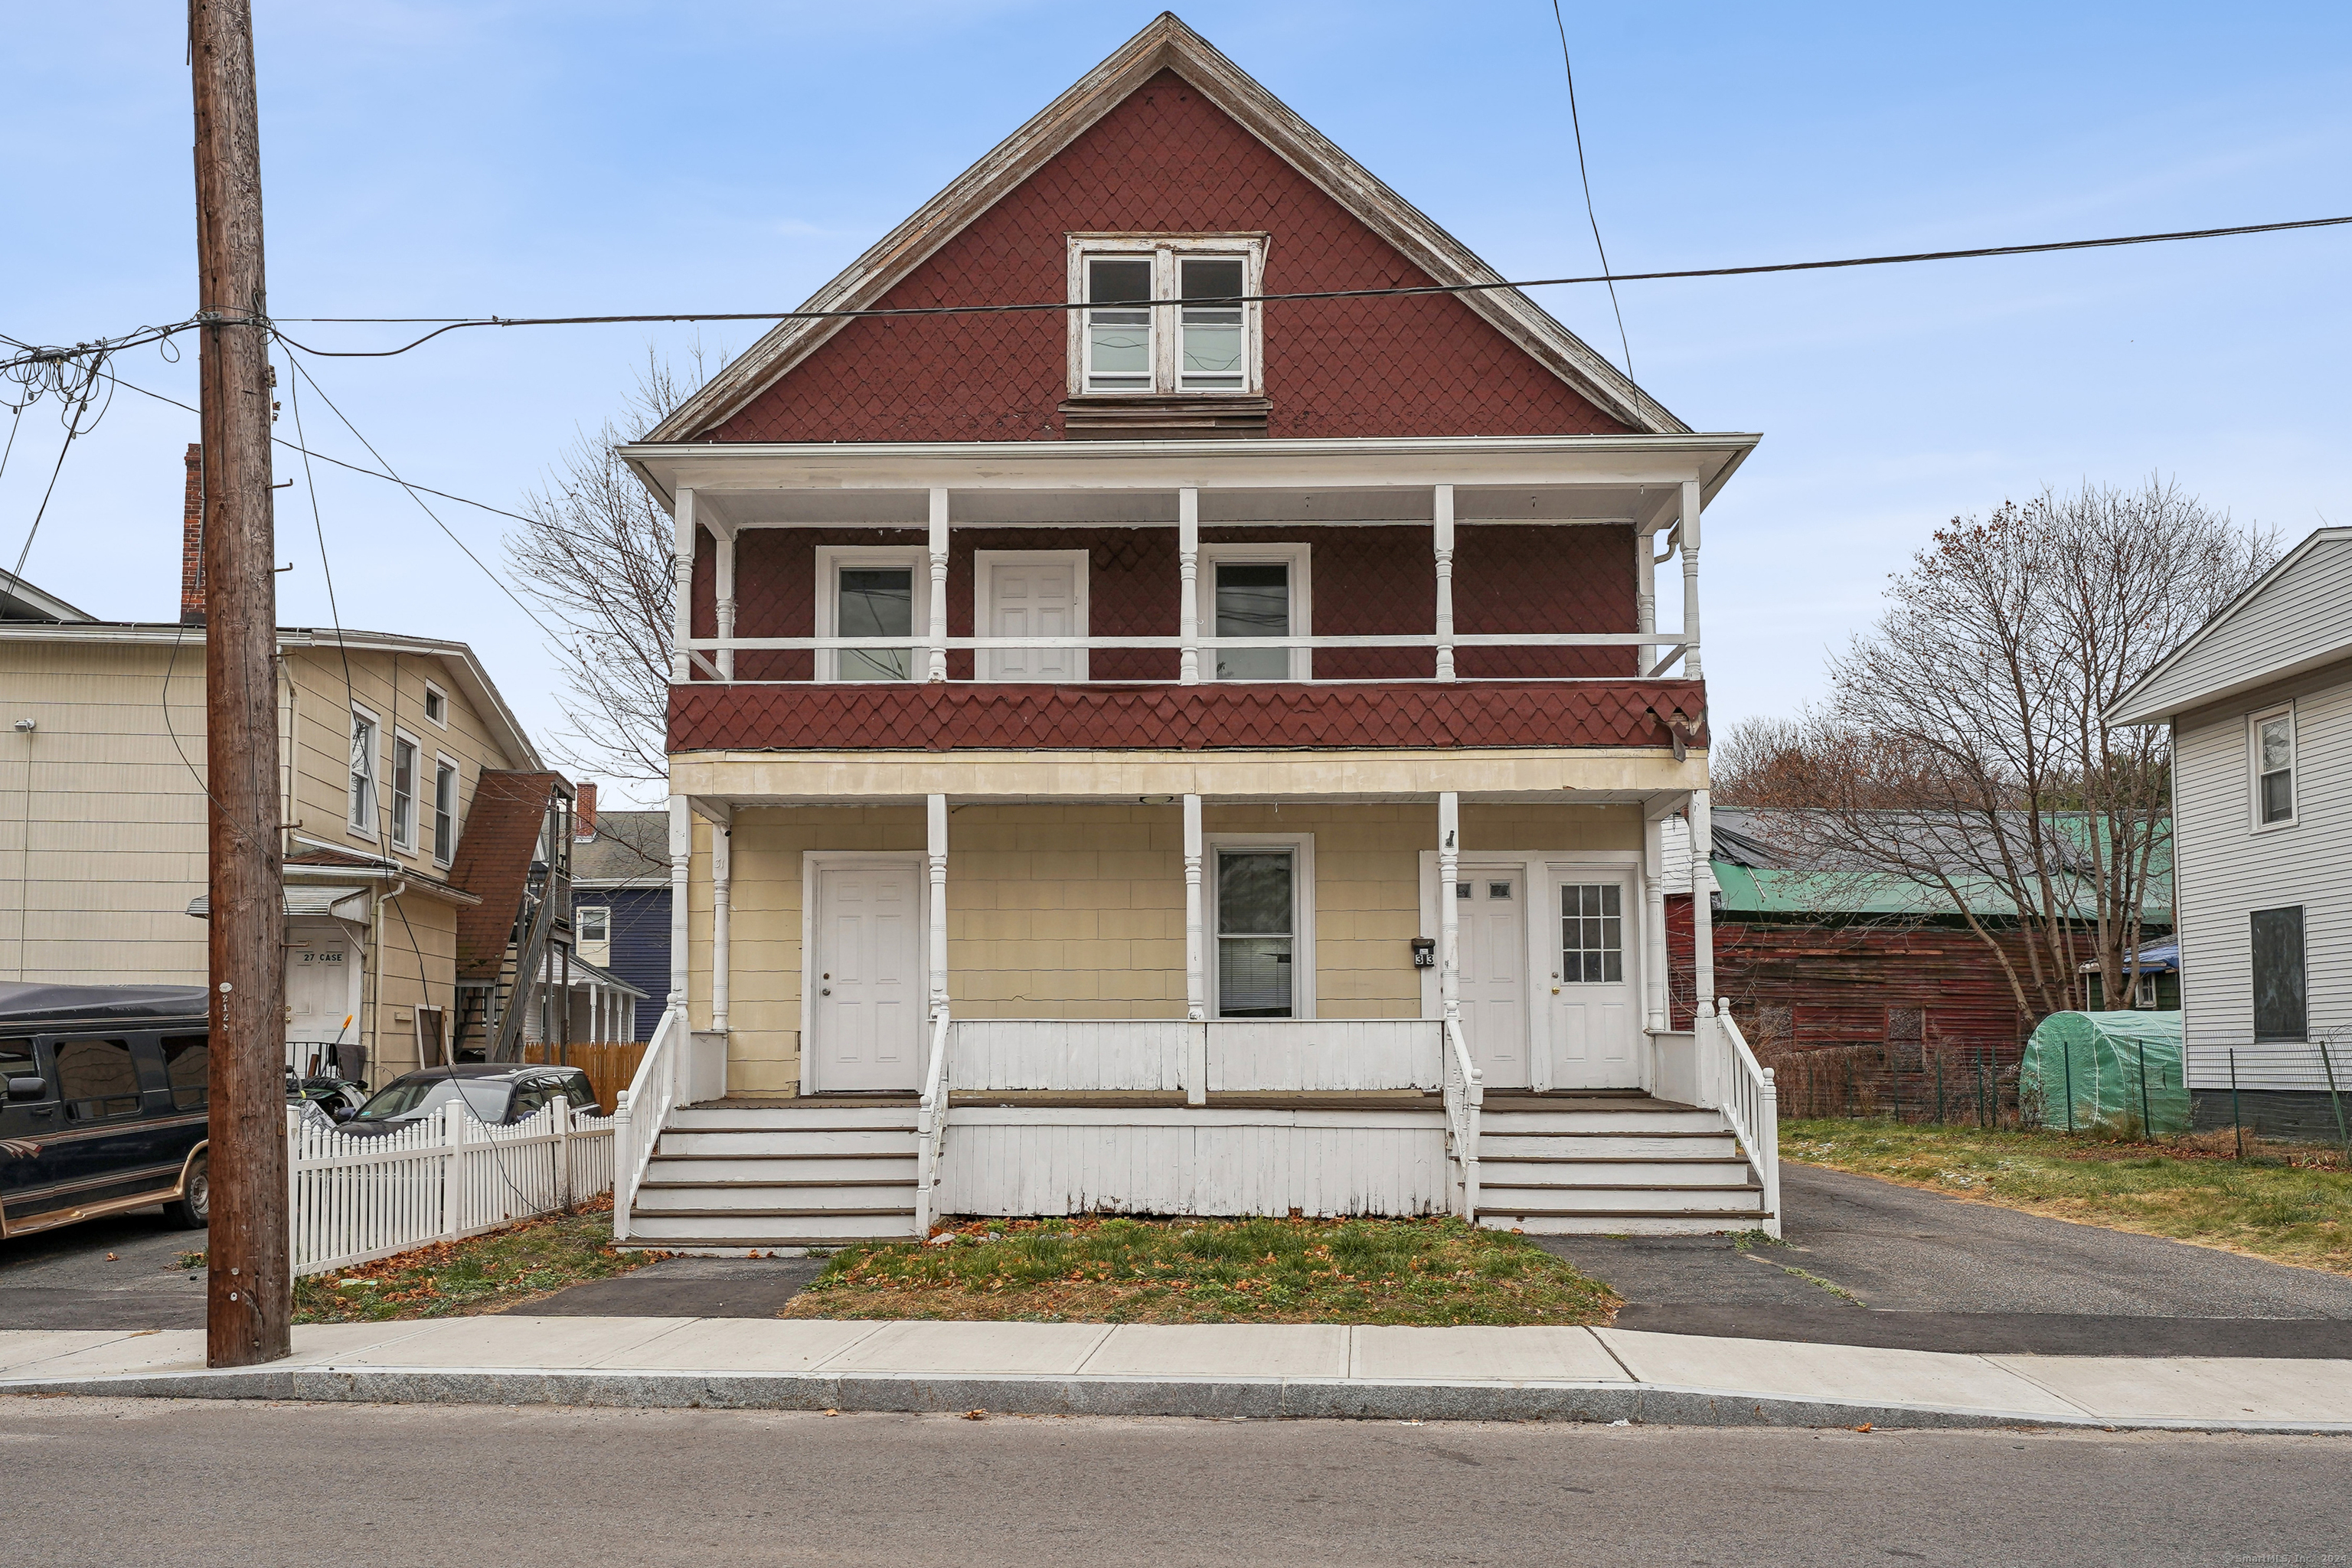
(1255, 591)
(2272, 743)
(362, 815)
(444, 810)
(404, 792)
(1261, 891)
(1166, 315)
(883, 594)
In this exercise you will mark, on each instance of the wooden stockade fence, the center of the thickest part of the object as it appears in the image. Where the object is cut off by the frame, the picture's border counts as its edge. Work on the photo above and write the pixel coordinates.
(611, 1065)
(447, 1176)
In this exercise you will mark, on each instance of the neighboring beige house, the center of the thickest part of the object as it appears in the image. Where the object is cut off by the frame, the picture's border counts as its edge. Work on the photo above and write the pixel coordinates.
(383, 740)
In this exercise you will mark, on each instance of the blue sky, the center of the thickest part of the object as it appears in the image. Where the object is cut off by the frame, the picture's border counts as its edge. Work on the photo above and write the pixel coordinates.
(443, 159)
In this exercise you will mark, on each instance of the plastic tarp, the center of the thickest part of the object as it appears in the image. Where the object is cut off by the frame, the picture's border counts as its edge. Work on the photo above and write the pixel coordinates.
(2106, 1069)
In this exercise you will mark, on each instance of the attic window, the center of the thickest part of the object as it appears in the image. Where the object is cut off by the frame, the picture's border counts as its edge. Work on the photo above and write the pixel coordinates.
(1164, 315)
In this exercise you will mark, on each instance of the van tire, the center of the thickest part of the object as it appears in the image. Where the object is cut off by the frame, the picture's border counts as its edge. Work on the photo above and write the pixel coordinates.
(193, 1210)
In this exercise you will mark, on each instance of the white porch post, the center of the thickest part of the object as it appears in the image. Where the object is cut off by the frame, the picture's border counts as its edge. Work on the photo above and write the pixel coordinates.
(1653, 922)
(1196, 974)
(682, 542)
(1449, 868)
(1188, 572)
(939, 630)
(936, 837)
(1691, 666)
(725, 564)
(1703, 944)
(1645, 580)
(681, 853)
(1442, 531)
(722, 876)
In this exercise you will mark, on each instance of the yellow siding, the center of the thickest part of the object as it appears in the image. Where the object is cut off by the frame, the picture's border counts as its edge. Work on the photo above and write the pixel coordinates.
(1077, 911)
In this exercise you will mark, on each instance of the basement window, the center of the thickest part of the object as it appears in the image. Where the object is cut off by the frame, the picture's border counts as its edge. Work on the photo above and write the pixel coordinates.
(1166, 315)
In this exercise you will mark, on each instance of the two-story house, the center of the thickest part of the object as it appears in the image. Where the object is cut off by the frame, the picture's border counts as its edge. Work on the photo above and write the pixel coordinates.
(1180, 739)
(415, 817)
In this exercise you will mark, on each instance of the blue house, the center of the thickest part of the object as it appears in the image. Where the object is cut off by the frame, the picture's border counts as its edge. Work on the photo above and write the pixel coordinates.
(620, 899)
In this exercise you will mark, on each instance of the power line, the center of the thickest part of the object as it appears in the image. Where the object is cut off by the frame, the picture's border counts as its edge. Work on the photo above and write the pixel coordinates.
(450, 324)
(1583, 174)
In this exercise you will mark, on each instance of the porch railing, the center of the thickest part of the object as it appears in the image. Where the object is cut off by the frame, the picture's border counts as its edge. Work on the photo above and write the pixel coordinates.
(931, 1125)
(1743, 1091)
(1465, 1092)
(642, 1107)
(1232, 1056)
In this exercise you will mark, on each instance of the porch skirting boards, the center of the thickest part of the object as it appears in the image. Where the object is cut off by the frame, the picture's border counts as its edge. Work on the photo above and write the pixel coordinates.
(1038, 1160)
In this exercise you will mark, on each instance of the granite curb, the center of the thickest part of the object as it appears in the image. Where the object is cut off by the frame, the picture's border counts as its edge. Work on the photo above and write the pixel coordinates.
(1201, 1398)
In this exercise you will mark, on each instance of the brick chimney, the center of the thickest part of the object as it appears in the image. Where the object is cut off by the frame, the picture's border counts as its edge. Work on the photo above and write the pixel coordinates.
(583, 814)
(191, 542)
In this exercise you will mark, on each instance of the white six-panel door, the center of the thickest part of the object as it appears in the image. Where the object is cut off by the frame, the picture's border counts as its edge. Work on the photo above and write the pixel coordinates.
(1033, 598)
(1493, 933)
(868, 1008)
(1592, 939)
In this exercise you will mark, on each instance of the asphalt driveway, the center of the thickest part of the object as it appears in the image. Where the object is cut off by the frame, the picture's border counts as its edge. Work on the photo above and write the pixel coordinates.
(1869, 1262)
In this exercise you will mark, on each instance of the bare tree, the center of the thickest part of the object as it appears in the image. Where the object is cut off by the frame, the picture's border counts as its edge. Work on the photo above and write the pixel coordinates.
(1965, 745)
(597, 555)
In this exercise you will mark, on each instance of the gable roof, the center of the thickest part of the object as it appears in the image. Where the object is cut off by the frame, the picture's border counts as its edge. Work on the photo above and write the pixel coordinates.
(2293, 618)
(1166, 44)
(23, 601)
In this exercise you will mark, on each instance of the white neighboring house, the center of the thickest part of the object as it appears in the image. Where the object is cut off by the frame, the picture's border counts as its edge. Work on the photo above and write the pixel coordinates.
(2260, 701)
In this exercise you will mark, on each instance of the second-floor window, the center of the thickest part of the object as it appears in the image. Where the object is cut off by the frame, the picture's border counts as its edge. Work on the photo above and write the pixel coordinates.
(404, 792)
(1255, 591)
(363, 764)
(444, 810)
(880, 593)
(1165, 315)
(2274, 759)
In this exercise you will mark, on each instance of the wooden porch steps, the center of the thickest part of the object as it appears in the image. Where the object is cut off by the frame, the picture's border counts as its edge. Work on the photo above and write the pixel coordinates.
(746, 1174)
(1611, 1164)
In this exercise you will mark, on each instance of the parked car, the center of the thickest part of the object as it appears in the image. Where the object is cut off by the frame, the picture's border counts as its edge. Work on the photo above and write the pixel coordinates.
(104, 1104)
(497, 1092)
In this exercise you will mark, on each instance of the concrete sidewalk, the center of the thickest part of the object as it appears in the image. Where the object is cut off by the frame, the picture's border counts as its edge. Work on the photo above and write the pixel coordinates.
(1223, 1370)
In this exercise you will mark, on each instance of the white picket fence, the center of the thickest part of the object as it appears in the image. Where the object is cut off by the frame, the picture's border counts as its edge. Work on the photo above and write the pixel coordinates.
(448, 1177)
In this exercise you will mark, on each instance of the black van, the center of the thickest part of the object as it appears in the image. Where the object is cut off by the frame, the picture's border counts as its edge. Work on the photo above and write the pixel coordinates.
(104, 1104)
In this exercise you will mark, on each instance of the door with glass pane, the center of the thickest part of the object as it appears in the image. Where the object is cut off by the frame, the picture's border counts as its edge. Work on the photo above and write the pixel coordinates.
(1491, 934)
(1593, 1016)
(874, 601)
(1257, 933)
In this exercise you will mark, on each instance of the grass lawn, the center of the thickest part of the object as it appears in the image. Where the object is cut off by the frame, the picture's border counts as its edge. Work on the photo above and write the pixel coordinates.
(486, 1273)
(1097, 1270)
(2292, 1204)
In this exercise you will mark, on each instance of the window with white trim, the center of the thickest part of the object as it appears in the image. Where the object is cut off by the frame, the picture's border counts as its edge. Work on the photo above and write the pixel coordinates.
(444, 810)
(362, 813)
(436, 705)
(1261, 912)
(1166, 314)
(1257, 591)
(882, 591)
(403, 791)
(2270, 740)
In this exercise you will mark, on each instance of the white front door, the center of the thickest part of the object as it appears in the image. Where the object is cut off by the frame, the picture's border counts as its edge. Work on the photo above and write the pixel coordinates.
(1491, 910)
(868, 1008)
(1034, 599)
(1592, 1003)
(319, 969)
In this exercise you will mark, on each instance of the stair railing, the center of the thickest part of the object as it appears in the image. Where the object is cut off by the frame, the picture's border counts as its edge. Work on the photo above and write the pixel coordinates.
(930, 1128)
(640, 1109)
(1465, 1091)
(1748, 1100)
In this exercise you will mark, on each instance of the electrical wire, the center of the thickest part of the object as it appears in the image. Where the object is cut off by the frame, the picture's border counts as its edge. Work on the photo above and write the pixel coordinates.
(452, 324)
(1575, 125)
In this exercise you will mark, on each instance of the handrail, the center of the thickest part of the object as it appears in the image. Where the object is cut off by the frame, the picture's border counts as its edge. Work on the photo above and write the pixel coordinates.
(639, 1112)
(1353, 639)
(1749, 1100)
(1465, 1091)
(930, 1128)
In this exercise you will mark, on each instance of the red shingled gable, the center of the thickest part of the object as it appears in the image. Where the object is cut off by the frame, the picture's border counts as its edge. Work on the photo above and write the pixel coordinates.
(1165, 161)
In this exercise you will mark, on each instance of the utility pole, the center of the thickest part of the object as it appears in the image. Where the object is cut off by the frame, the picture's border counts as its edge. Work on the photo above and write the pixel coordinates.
(248, 1303)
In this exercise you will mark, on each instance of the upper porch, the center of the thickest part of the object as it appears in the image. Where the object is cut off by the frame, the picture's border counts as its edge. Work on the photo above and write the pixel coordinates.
(1061, 594)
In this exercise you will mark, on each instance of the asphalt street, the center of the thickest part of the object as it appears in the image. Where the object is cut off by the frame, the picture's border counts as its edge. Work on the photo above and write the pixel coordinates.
(126, 1483)
(114, 1273)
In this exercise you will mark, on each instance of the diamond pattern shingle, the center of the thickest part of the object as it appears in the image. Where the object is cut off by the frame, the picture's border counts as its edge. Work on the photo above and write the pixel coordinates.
(1165, 161)
(794, 717)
